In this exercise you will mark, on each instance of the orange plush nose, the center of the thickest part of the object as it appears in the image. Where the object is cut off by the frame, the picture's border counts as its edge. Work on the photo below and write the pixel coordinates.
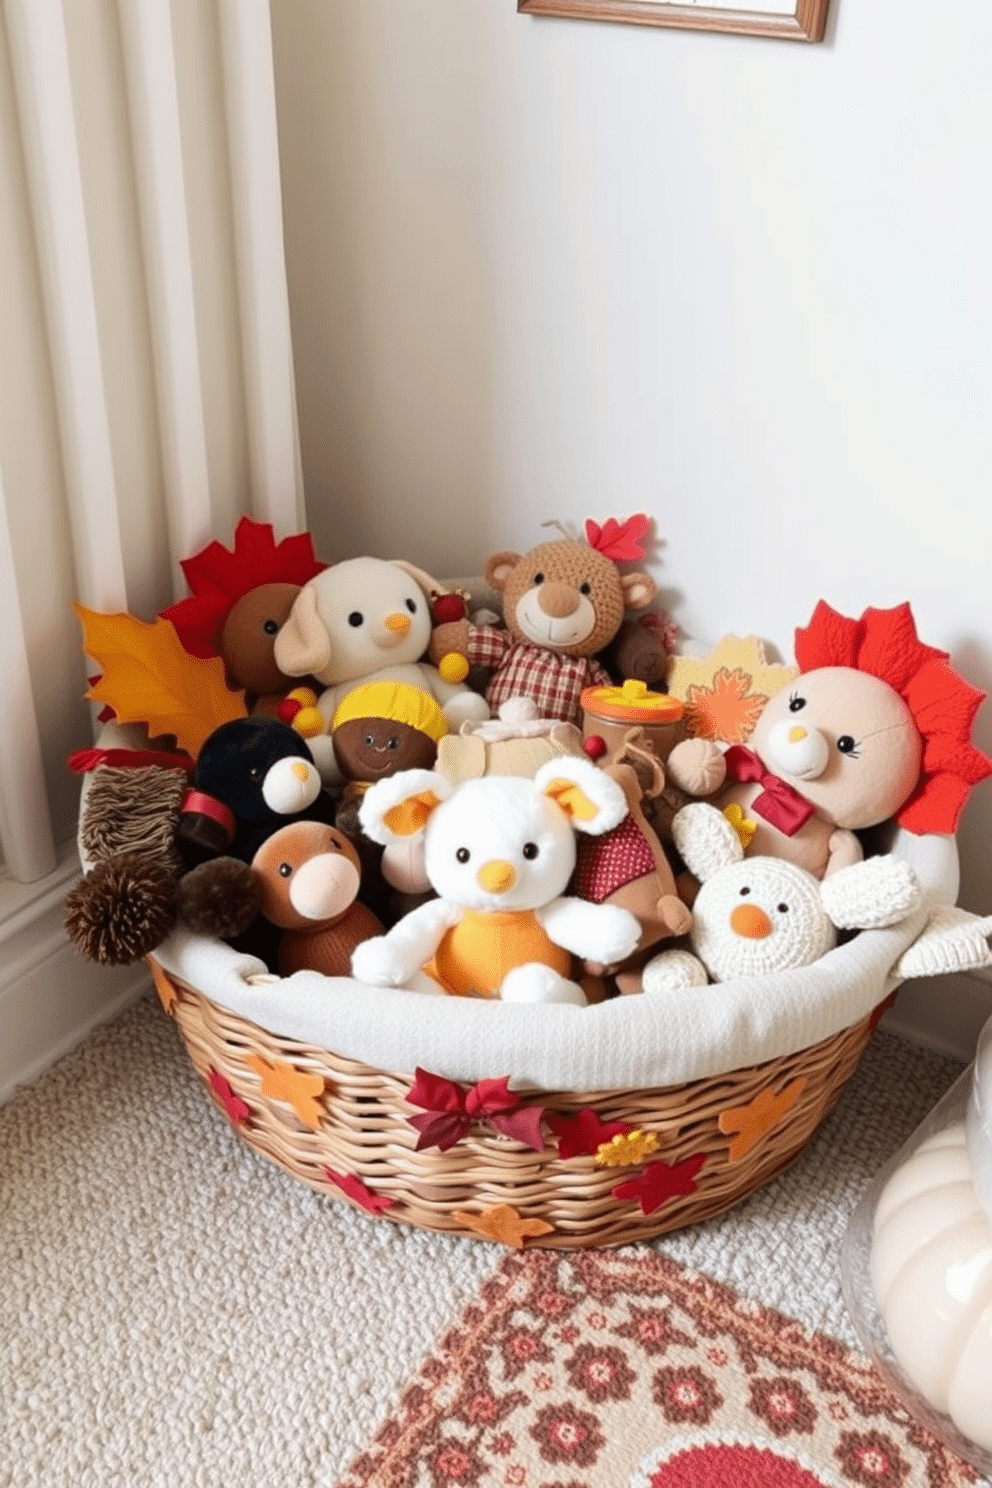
(399, 623)
(497, 876)
(558, 600)
(300, 770)
(750, 920)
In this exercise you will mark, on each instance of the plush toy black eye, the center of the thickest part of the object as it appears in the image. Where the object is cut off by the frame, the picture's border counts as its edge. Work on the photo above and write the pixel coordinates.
(392, 742)
(538, 578)
(530, 850)
(411, 605)
(370, 739)
(585, 588)
(356, 618)
(846, 744)
(463, 855)
(796, 702)
(745, 890)
(270, 626)
(285, 869)
(782, 908)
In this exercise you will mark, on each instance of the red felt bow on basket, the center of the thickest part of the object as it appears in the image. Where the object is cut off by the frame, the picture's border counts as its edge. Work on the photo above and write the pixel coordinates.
(450, 1110)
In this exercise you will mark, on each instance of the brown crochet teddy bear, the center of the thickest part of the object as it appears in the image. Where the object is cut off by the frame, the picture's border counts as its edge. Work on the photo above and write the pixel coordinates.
(563, 602)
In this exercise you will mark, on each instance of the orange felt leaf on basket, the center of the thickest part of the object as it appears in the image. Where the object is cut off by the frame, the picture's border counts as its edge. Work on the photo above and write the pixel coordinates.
(357, 1191)
(660, 1182)
(237, 1109)
(502, 1223)
(167, 994)
(148, 677)
(284, 1082)
(751, 1122)
(584, 1134)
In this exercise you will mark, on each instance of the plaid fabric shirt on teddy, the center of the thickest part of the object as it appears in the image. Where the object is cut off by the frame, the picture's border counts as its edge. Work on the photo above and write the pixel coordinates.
(555, 682)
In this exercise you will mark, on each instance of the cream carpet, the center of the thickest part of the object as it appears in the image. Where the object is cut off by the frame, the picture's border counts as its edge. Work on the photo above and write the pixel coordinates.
(177, 1313)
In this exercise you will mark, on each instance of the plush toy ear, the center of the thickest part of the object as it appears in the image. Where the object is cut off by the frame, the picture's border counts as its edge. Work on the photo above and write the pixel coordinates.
(592, 801)
(431, 587)
(302, 645)
(706, 839)
(499, 568)
(398, 808)
(639, 589)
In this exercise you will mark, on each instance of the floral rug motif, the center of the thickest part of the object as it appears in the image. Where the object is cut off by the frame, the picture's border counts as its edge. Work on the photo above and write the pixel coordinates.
(620, 1369)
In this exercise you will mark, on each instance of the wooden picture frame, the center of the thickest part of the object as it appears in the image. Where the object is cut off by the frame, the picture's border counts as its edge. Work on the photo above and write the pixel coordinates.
(792, 20)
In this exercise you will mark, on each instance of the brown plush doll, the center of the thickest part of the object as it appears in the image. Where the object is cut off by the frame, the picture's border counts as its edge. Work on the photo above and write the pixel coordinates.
(563, 602)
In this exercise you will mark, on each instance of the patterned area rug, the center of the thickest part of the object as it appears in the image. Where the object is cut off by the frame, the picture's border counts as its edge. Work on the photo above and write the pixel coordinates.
(619, 1369)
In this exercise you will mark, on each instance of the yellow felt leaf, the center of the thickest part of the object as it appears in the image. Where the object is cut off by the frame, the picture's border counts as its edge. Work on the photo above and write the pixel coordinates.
(149, 677)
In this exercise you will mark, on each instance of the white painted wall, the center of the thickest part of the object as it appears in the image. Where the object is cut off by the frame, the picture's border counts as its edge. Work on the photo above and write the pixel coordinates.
(544, 268)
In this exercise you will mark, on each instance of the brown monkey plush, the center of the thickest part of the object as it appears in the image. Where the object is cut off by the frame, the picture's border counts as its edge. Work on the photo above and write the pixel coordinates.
(562, 603)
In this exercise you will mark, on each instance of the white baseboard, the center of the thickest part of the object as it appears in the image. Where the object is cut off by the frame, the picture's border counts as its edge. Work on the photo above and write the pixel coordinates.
(944, 1013)
(50, 996)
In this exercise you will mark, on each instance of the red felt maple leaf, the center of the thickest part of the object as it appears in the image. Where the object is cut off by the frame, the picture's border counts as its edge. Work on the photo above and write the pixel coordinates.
(450, 1110)
(219, 577)
(357, 1191)
(582, 1135)
(237, 1109)
(661, 1181)
(617, 540)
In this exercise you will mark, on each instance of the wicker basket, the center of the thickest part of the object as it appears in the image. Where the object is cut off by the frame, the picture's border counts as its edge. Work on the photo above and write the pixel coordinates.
(714, 1094)
(360, 1126)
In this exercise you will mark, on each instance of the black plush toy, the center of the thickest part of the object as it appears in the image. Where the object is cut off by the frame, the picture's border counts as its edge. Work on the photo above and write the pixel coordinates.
(252, 776)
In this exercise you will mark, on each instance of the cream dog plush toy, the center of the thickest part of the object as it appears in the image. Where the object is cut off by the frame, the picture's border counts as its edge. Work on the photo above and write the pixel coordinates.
(758, 915)
(364, 620)
(499, 851)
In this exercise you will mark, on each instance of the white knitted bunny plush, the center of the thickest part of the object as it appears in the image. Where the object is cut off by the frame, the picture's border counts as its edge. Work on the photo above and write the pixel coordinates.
(764, 914)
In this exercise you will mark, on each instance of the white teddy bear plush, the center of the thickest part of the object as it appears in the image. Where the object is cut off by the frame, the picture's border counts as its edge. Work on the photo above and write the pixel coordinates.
(764, 914)
(499, 851)
(365, 620)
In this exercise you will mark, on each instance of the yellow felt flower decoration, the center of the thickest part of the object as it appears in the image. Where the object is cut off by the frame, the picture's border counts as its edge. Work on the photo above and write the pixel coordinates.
(626, 1149)
(502, 1223)
(751, 1122)
(742, 825)
(284, 1082)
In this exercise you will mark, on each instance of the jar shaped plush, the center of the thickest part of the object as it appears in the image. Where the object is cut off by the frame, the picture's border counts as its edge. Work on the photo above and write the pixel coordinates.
(918, 1266)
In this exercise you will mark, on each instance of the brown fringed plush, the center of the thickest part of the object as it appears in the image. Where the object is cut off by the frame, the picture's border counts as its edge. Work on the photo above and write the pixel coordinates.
(122, 910)
(133, 811)
(218, 898)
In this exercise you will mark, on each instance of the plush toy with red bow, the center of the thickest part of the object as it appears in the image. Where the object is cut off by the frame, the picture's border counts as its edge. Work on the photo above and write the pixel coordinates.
(563, 602)
(876, 726)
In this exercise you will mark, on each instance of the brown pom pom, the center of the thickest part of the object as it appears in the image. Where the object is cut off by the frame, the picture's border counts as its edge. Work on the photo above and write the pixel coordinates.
(218, 898)
(121, 910)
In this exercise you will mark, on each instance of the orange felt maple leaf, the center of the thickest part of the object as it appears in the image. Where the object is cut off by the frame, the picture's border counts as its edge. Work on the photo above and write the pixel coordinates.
(725, 710)
(167, 994)
(282, 1081)
(751, 1122)
(502, 1223)
(148, 677)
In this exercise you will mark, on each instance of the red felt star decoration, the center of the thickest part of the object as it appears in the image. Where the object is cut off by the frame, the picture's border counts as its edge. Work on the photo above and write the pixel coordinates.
(450, 1110)
(357, 1191)
(661, 1181)
(237, 1109)
(583, 1134)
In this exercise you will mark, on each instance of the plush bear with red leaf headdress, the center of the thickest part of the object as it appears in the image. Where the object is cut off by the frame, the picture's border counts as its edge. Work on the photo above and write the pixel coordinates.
(876, 726)
(240, 599)
(563, 603)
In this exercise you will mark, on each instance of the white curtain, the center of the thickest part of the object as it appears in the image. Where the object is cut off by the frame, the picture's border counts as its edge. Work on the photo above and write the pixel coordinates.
(146, 377)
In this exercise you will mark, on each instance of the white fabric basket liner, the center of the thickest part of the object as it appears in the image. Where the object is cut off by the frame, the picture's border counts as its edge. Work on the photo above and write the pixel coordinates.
(630, 1042)
(638, 1042)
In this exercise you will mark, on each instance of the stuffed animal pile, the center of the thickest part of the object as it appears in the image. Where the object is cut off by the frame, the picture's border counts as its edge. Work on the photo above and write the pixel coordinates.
(346, 768)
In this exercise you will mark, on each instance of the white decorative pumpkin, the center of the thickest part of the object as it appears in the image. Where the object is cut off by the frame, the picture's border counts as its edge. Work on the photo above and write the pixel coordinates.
(931, 1262)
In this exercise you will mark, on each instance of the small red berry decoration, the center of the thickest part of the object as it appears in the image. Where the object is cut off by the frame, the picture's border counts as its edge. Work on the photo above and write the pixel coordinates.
(288, 709)
(448, 608)
(594, 746)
